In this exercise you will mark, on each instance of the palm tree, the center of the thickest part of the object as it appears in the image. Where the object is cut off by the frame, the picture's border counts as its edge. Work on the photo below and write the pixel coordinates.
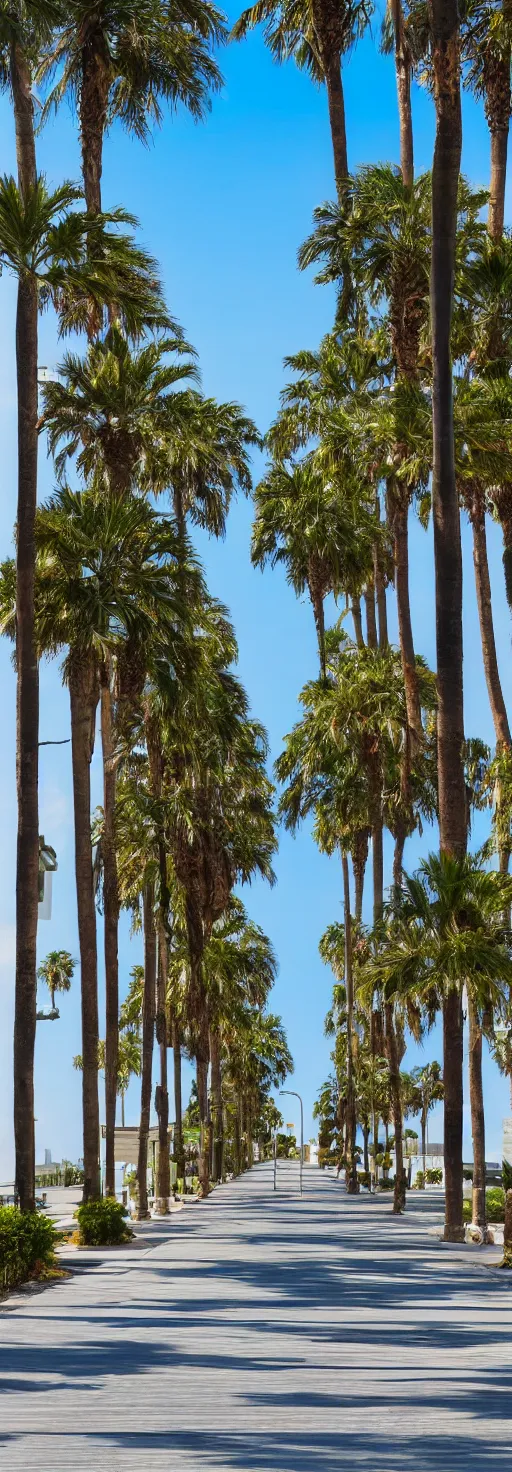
(318, 35)
(106, 570)
(329, 381)
(486, 52)
(120, 60)
(446, 933)
(446, 516)
(385, 242)
(427, 1090)
(396, 37)
(129, 1064)
(239, 966)
(318, 527)
(137, 853)
(45, 243)
(57, 971)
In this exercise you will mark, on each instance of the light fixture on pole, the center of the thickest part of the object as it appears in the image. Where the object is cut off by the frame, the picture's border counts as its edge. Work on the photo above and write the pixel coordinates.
(294, 1095)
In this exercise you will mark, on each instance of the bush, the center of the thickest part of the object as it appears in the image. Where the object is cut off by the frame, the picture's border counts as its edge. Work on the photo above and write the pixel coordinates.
(434, 1177)
(387, 1184)
(102, 1223)
(494, 1205)
(419, 1180)
(27, 1245)
(364, 1178)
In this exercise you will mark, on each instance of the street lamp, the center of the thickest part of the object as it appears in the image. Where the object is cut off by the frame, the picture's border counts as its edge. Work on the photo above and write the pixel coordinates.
(294, 1095)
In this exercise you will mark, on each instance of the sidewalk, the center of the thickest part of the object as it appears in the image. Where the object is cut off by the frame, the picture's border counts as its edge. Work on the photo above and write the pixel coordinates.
(261, 1332)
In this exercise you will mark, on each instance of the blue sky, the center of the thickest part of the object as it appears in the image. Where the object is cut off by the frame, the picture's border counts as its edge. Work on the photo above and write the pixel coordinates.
(224, 207)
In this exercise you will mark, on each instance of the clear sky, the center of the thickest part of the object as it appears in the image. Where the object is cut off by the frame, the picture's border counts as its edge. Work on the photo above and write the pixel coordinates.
(224, 207)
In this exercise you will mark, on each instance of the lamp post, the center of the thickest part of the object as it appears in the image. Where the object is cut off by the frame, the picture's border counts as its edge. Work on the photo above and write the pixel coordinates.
(294, 1095)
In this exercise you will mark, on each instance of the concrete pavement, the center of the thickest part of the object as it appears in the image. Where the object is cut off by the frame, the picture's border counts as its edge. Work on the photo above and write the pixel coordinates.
(264, 1333)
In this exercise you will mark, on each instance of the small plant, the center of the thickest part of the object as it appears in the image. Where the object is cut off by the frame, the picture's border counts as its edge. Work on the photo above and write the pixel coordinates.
(434, 1177)
(364, 1178)
(494, 1206)
(102, 1223)
(419, 1181)
(27, 1246)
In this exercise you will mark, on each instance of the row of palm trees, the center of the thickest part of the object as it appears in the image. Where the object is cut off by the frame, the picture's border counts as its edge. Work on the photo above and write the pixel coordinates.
(105, 575)
(405, 404)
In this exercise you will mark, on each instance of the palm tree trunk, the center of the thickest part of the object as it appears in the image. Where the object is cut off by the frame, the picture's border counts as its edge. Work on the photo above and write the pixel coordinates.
(401, 554)
(217, 1110)
(398, 854)
(27, 690)
(84, 696)
(94, 94)
(380, 590)
(179, 1148)
(202, 1064)
(498, 109)
(371, 621)
(355, 609)
(447, 541)
(476, 1097)
(237, 1143)
(484, 601)
(453, 1106)
(396, 1101)
(447, 547)
(319, 617)
(507, 1234)
(350, 1113)
(163, 1190)
(499, 151)
(23, 107)
(336, 104)
(403, 86)
(110, 924)
(359, 857)
(148, 1038)
(366, 1157)
(378, 872)
(424, 1143)
(27, 751)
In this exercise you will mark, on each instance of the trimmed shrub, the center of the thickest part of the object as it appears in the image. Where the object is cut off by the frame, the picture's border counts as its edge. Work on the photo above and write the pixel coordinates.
(102, 1223)
(419, 1180)
(494, 1206)
(27, 1245)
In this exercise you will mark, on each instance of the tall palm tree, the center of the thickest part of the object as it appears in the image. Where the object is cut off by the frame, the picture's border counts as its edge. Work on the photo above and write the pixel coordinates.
(137, 852)
(105, 570)
(486, 52)
(396, 37)
(120, 60)
(44, 243)
(426, 1091)
(447, 933)
(319, 528)
(446, 516)
(240, 966)
(56, 971)
(318, 35)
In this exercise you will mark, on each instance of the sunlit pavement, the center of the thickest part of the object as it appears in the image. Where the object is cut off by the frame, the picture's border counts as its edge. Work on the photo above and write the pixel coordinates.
(264, 1332)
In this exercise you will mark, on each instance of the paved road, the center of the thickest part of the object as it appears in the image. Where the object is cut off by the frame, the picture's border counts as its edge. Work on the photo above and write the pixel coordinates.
(264, 1333)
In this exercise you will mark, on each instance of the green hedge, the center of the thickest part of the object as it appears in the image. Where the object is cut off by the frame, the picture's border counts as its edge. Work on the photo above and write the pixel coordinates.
(494, 1205)
(27, 1245)
(102, 1223)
